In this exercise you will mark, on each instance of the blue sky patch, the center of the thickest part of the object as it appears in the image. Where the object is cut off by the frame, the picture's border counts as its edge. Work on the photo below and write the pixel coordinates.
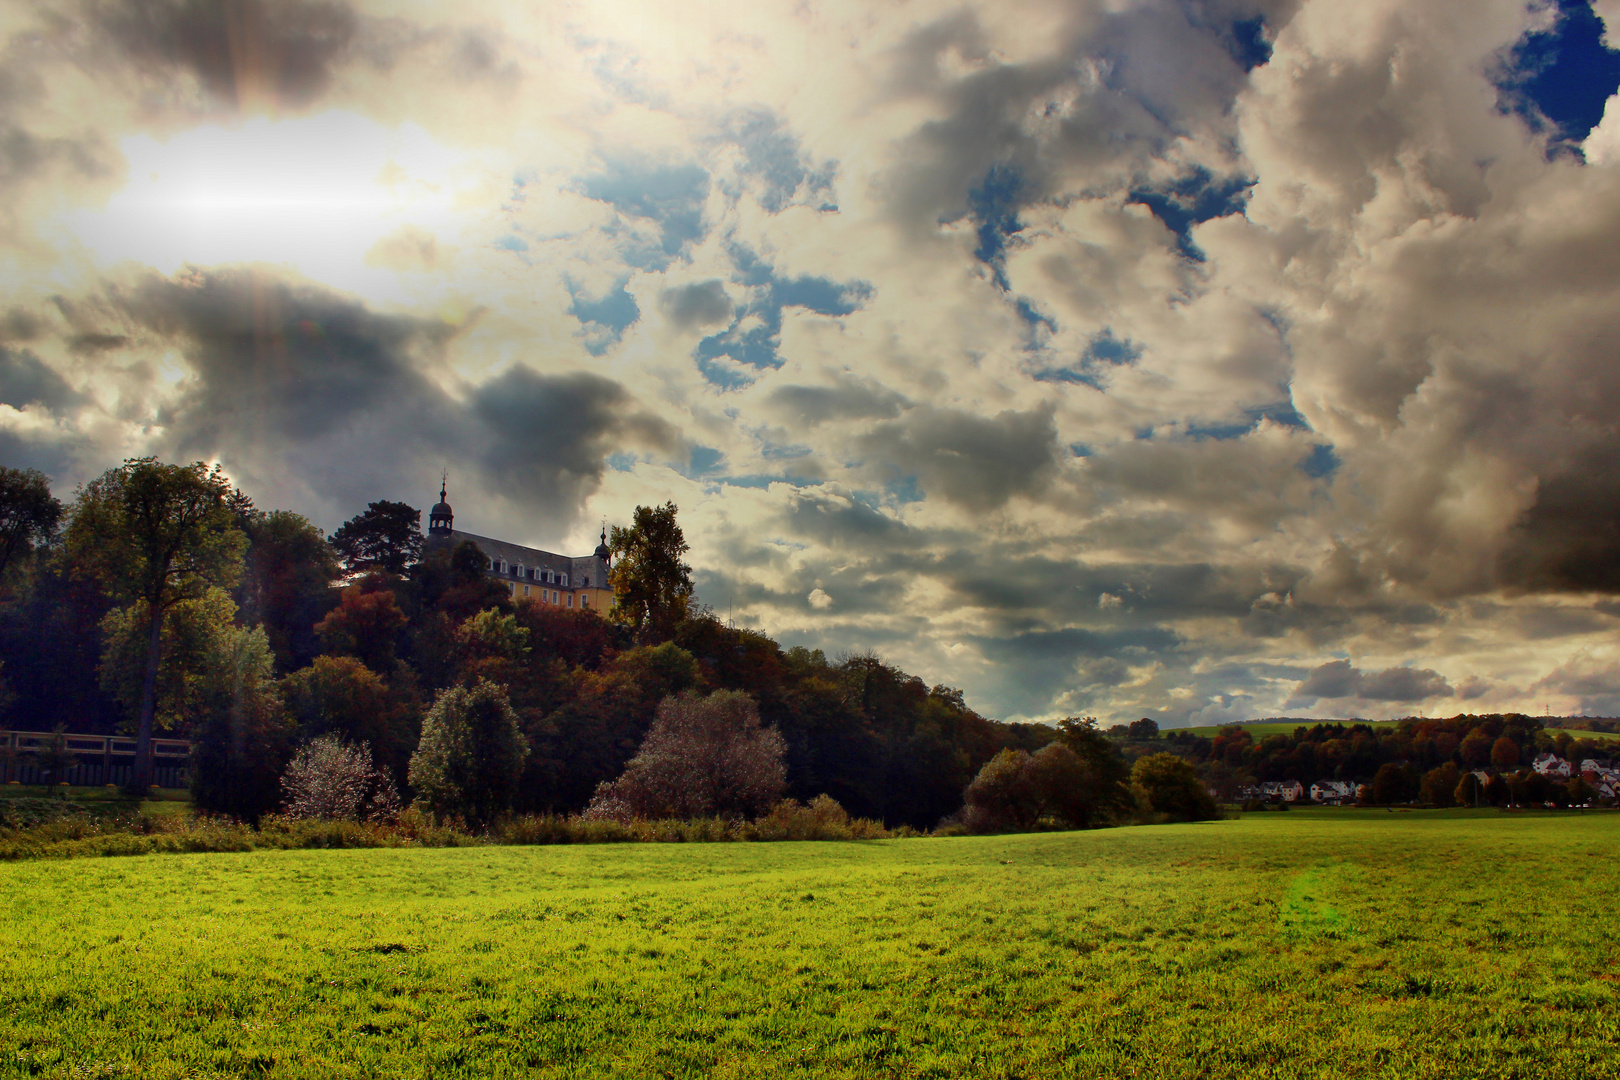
(773, 157)
(1320, 463)
(1559, 81)
(1103, 352)
(755, 333)
(672, 196)
(1197, 197)
(994, 204)
(606, 318)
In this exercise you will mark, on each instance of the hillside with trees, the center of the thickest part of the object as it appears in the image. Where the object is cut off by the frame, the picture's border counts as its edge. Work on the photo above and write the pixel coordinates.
(162, 601)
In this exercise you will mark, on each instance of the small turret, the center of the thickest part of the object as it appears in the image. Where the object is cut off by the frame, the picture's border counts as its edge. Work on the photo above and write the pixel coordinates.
(440, 517)
(603, 552)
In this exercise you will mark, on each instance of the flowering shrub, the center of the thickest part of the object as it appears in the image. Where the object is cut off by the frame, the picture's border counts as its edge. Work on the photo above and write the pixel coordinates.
(702, 757)
(336, 781)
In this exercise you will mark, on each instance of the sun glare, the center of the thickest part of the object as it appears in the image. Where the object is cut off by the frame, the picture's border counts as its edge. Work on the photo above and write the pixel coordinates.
(318, 194)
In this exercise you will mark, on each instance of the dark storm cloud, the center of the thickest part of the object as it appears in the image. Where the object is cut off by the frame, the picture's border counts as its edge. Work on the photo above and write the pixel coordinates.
(847, 399)
(977, 462)
(26, 380)
(298, 379)
(552, 434)
(238, 50)
(285, 361)
(1340, 679)
(704, 303)
(1569, 541)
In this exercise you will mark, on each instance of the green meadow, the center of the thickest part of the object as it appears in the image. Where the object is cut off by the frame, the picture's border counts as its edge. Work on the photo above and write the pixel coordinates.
(1330, 943)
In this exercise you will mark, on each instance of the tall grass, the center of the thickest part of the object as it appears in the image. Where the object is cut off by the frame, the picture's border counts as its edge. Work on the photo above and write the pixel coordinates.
(64, 831)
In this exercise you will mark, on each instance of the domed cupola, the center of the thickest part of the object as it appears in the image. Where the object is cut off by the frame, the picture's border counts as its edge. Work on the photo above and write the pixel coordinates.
(440, 517)
(602, 550)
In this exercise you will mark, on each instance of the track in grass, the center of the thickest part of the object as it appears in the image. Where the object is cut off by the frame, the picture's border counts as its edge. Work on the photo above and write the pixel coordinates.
(1341, 943)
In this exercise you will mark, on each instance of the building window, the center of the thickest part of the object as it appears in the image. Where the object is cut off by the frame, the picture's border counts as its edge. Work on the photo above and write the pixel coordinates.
(520, 572)
(525, 590)
(503, 566)
(570, 599)
(565, 579)
(492, 564)
(585, 601)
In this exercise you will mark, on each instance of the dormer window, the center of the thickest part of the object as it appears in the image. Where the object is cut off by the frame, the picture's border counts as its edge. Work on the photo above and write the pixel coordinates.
(551, 577)
(503, 566)
(565, 580)
(520, 572)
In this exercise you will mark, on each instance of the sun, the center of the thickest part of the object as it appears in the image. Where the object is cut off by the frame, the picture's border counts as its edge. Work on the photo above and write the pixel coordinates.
(317, 193)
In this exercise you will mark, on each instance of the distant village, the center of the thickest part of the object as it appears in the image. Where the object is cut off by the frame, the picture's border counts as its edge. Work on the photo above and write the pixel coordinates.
(1600, 774)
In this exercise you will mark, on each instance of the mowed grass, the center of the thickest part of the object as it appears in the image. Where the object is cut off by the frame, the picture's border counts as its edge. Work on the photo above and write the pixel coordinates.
(1313, 943)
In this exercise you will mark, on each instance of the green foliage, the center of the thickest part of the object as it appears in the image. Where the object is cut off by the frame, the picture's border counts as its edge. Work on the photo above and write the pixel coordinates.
(652, 587)
(1439, 786)
(157, 535)
(1169, 786)
(1339, 943)
(1394, 783)
(386, 537)
(193, 640)
(241, 737)
(29, 513)
(471, 754)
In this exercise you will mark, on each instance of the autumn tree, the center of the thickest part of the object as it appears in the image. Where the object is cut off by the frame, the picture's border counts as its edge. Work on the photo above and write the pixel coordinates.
(386, 536)
(703, 756)
(287, 583)
(652, 587)
(338, 696)
(154, 535)
(1504, 753)
(28, 513)
(366, 623)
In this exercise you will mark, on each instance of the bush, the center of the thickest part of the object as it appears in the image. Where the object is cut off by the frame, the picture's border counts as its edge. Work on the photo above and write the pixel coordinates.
(471, 754)
(1167, 785)
(331, 779)
(702, 757)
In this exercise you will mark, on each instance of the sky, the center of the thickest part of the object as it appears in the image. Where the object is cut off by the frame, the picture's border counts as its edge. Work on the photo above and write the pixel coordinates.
(1195, 359)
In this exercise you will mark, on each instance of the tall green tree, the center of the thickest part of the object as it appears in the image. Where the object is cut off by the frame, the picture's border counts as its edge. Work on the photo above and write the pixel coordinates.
(471, 754)
(155, 534)
(28, 513)
(652, 587)
(385, 536)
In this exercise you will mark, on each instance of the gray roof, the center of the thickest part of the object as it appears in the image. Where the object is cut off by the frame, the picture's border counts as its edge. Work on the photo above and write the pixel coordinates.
(580, 570)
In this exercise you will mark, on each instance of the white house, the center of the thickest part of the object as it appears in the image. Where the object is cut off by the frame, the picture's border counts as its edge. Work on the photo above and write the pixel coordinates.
(1286, 790)
(1551, 765)
(1333, 792)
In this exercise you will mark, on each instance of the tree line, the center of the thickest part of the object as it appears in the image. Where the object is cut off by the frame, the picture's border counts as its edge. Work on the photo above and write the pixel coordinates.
(160, 599)
(1431, 759)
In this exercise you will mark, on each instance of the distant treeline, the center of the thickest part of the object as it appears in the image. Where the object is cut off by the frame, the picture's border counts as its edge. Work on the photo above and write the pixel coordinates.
(1234, 758)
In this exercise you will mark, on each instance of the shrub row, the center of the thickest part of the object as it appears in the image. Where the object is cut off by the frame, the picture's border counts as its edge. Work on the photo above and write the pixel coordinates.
(81, 835)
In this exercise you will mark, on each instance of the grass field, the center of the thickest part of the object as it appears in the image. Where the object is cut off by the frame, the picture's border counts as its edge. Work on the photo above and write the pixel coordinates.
(1315, 943)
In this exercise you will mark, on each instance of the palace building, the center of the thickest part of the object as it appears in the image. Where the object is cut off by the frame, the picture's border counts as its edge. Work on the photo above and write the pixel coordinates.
(567, 581)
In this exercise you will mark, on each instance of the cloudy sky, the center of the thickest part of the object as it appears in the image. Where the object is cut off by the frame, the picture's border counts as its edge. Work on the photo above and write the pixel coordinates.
(1196, 359)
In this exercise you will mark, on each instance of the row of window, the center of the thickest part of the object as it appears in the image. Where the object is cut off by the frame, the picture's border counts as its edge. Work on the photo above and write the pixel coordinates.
(551, 596)
(550, 577)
